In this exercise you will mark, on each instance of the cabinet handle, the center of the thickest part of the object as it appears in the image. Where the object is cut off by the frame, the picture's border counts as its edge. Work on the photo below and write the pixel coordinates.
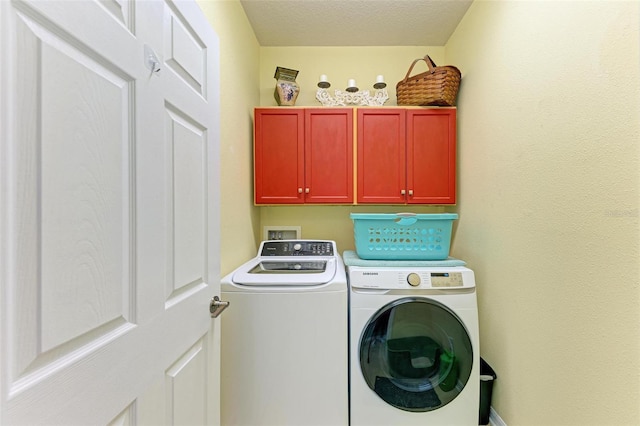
(299, 190)
(411, 192)
(306, 190)
(402, 192)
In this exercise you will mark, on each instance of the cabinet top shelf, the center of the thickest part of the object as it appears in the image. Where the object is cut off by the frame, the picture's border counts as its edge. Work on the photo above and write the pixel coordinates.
(350, 107)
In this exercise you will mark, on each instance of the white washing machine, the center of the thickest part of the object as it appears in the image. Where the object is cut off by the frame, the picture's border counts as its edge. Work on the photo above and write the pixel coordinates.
(285, 337)
(414, 349)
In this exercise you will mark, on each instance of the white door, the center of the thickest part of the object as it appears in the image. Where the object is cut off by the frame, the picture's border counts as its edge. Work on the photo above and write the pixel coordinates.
(109, 233)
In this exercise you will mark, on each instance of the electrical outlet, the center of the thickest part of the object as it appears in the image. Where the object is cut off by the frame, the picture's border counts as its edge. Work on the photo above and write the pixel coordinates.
(282, 233)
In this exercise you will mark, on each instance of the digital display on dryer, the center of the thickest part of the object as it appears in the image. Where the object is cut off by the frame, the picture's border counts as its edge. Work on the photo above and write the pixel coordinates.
(446, 279)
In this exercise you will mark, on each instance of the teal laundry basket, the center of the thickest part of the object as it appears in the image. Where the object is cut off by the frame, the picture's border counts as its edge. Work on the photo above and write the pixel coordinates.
(403, 236)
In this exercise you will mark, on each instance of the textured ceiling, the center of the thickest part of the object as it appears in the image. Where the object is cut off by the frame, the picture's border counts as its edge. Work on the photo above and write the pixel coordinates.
(354, 22)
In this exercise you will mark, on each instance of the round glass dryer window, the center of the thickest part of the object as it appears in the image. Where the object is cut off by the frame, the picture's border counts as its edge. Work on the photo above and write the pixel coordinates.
(416, 354)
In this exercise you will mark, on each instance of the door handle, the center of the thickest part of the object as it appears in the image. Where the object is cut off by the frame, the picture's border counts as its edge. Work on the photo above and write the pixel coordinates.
(217, 306)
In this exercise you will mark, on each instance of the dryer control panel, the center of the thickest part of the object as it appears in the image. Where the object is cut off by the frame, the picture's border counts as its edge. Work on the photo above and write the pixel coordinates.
(390, 278)
(446, 279)
(297, 248)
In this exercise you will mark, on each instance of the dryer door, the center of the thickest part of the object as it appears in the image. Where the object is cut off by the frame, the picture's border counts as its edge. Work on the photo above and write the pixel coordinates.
(416, 354)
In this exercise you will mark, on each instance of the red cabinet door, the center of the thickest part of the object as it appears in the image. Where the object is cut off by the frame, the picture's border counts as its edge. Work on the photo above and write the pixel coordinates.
(381, 156)
(328, 155)
(431, 156)
(279, 156)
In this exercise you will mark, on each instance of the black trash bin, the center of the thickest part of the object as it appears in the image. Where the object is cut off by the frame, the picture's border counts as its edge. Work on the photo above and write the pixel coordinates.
(487, 377)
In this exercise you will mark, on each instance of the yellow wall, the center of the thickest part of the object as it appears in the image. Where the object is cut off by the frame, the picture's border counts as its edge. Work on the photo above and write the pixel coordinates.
(239, 89)
(548, 197)
(332, 222)
(548, 155)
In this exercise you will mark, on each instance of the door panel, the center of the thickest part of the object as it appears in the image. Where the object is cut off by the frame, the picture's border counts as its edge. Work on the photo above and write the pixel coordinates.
(328, 155)
(431, 155)
(381, 156)
(122, 11)
(187, 213)
(125, 418)
(109, 221)
(187, 387)
(279, 156)
(185, 52)
(85, 197)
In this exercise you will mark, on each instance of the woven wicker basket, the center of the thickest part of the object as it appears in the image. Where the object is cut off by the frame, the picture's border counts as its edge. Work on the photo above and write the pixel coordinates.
(438, 86)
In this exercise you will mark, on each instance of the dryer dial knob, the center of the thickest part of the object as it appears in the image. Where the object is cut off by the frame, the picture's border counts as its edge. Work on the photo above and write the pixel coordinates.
(297, 246)
(413, 279)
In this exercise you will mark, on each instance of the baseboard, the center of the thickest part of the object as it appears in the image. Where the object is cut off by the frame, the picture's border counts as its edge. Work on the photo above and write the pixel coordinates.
(495, 419)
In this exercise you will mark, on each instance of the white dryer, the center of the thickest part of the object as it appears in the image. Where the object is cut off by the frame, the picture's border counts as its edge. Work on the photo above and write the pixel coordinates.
(285, 337)
(414, 349)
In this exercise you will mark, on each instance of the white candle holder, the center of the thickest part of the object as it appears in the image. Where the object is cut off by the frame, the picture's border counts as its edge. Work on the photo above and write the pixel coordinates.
(352, 95)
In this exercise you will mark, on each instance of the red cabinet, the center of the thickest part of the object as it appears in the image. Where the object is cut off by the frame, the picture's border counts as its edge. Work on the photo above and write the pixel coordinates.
(406, 156)
(431, 156)
(303, 155)
(278, 156)
(328, 153)
(382, 156)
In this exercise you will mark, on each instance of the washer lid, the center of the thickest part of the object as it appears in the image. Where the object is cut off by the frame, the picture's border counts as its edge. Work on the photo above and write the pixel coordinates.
(286, 271)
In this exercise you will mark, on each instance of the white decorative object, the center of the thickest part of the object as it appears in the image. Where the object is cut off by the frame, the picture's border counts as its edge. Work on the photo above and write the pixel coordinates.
(341, 98)
(352, 95)
(380, 84)
(324, 82)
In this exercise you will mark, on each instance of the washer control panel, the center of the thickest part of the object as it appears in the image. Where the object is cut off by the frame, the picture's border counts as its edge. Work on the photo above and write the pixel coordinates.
(390, 278)
(297, 248)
